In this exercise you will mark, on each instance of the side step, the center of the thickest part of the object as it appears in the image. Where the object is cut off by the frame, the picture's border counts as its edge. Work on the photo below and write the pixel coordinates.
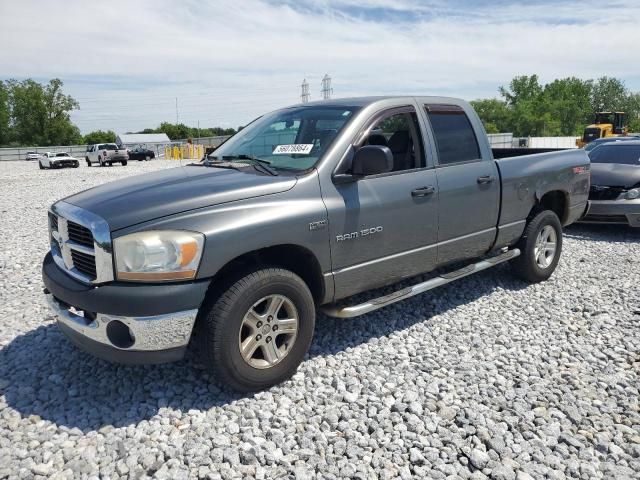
(376, 303)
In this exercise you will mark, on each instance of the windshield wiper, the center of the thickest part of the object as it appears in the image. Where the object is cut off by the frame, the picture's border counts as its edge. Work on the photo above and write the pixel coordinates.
(258, 163)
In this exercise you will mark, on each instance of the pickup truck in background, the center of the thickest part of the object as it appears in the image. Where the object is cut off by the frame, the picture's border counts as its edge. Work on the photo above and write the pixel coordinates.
(57, 160)
(303, 209)
(106, 154)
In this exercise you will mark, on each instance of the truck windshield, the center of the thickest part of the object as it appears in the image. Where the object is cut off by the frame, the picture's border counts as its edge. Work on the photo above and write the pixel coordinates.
(617, 153)
(108, 146)
(289, 139)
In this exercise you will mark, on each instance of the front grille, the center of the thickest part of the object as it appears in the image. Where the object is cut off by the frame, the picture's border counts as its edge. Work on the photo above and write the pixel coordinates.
(53, 222)
(85, 263)
(80, 234)
(597, 192)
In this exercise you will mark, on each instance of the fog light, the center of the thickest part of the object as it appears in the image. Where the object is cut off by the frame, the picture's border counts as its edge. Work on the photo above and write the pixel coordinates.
(119, 334)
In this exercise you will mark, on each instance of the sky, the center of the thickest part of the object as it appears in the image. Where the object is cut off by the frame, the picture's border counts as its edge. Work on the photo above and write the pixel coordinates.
(228, 61)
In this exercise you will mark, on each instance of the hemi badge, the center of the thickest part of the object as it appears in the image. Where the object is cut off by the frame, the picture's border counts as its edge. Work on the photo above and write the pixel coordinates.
(317, 225)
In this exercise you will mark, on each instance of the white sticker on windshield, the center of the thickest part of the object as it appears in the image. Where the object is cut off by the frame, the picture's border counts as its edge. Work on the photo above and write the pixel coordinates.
(302, 148)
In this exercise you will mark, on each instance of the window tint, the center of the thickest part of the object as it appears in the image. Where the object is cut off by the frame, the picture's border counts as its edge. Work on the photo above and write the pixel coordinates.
(399, 132)
(455, 139)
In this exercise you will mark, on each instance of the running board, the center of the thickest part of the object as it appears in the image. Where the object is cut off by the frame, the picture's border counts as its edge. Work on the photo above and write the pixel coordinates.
(371, 305)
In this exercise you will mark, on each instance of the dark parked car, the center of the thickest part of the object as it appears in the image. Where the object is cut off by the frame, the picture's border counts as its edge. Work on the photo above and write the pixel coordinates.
(615, 184)
(601, 141)
(141, 154)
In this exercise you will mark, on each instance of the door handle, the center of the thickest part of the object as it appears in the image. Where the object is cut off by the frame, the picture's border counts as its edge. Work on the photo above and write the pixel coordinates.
(486, 179)
(423, 191)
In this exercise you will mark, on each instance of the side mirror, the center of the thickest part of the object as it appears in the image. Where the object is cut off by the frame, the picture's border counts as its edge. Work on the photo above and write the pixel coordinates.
(372, 160)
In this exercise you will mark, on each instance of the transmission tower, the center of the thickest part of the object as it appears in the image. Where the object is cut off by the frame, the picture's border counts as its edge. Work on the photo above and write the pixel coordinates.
(326, 87)
(305, 91)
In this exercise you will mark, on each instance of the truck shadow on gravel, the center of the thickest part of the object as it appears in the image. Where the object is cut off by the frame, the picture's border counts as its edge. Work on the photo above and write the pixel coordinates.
(42, 374)
(603, 233)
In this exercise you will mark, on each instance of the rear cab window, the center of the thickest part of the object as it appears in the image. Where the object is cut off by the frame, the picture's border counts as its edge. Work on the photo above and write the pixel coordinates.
(455, 138)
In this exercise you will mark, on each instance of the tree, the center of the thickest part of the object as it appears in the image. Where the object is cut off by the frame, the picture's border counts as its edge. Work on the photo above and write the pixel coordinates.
(494, 113)
(608, 94)
(5, 134)
(99, 136)
(566, 102)
(39, 115)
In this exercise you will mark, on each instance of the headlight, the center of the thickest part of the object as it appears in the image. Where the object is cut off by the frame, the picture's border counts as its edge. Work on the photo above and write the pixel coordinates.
(158, 255)
(633, 194)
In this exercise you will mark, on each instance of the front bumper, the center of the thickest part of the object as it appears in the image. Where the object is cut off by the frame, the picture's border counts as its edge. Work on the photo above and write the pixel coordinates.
(65, 163)
(122, 322)
(624, 212)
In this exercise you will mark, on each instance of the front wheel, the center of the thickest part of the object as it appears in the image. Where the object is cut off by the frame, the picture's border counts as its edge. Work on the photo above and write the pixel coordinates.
(88, 162)
(540, 246)
(124, 163)
(257, 332)
(40, 165)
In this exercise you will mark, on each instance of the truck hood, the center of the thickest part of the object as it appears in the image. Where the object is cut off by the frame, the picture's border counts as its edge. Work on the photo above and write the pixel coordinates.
(615, 174)
(153, 195)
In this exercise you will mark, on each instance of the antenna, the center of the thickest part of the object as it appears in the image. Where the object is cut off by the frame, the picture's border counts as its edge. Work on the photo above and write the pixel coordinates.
(326, 87)
(305, 91)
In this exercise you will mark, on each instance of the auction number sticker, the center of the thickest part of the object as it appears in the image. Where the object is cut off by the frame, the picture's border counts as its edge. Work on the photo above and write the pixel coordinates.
(303, 148)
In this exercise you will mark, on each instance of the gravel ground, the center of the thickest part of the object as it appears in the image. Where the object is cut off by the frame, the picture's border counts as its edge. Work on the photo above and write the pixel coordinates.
(485, 378)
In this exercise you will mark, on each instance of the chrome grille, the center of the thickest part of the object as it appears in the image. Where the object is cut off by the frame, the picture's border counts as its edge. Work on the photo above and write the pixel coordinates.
(80, 243)
(80, 234)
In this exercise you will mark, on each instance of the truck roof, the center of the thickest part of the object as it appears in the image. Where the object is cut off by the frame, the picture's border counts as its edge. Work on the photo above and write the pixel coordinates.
(364, 101)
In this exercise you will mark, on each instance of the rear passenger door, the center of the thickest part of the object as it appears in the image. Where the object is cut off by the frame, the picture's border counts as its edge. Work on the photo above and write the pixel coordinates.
(468, 186)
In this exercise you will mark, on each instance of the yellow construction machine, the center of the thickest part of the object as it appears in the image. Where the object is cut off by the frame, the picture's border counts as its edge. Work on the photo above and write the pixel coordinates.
(607, 124)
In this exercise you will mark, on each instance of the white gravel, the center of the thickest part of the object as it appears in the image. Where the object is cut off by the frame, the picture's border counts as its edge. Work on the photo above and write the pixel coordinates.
(485, 378)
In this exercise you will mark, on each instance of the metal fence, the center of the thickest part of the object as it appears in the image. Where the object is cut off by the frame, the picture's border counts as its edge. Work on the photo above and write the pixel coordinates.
(20, 153)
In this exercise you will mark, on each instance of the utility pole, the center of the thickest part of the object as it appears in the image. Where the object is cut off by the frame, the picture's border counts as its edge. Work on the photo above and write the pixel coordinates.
(305, 91)
(326, 87)
(176, 110)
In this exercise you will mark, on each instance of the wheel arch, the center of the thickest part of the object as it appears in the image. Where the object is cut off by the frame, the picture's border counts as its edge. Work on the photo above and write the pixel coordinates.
(298, 259)
(556, 201)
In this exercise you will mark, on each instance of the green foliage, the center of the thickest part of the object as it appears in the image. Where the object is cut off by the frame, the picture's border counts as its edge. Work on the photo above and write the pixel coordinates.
(37, 114)
(495, 114)
(181, 131)
(560, 108)
(99, 136)
(4, 114)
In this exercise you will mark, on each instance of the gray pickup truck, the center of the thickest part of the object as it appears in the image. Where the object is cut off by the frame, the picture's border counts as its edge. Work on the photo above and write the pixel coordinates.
(302, 209)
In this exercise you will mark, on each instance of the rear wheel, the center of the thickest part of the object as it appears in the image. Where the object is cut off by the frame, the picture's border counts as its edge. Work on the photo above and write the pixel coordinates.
(540, 246)
(124, 163)
(256, 333)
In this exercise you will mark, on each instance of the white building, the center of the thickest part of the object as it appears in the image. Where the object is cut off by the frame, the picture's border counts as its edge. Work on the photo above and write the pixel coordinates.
(152, 141)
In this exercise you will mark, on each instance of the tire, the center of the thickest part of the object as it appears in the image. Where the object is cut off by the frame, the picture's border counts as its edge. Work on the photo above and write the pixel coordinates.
(222, 327)
(40, 165)
(531, 267)
(88, 162)
(124, 163)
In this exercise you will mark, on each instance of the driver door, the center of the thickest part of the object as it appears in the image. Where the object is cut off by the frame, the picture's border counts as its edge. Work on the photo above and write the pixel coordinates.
(383, 227)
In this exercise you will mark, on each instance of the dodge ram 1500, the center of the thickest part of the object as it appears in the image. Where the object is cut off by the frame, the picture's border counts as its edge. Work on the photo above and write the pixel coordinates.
(306, 206)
